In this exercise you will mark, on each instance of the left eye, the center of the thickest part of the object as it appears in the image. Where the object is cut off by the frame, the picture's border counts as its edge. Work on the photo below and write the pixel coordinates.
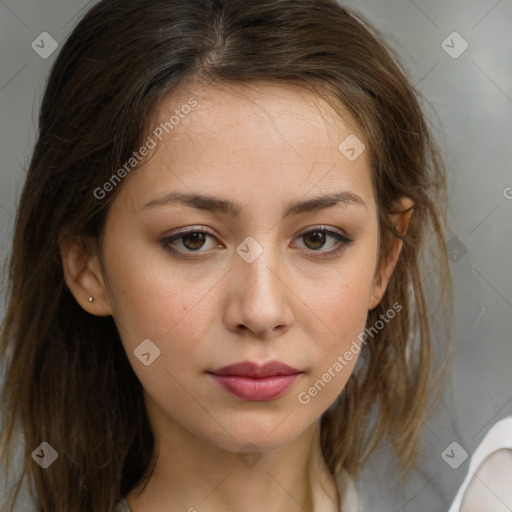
(317, 238)
(314, 239)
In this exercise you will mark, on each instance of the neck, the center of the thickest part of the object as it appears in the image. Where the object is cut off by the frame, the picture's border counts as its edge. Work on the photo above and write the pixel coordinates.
(191, 474)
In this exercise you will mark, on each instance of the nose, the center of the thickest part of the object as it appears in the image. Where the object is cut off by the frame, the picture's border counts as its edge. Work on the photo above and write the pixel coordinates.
(259, 297)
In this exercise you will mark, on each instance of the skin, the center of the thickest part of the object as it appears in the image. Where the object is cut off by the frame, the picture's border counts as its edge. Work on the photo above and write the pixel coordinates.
(260, 146)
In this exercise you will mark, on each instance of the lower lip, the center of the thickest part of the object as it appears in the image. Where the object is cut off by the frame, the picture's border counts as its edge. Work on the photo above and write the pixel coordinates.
(256, 390)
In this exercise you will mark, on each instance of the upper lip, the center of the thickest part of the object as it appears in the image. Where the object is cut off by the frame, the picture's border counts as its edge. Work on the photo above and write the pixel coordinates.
(255, 370)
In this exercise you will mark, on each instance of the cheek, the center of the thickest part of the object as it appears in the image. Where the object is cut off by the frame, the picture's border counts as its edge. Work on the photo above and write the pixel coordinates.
(344, 301)
(347, 312)
(150, 298)
(343, 310)
(162, 307)
(154, 303)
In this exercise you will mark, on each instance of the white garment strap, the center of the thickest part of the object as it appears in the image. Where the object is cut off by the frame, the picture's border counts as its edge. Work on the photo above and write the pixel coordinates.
(498, 438)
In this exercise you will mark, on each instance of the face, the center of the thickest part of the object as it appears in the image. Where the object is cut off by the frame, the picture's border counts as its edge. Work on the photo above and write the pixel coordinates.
(246, 267)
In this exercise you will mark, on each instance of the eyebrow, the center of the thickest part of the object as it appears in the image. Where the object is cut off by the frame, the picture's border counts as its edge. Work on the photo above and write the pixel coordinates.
(217, 205)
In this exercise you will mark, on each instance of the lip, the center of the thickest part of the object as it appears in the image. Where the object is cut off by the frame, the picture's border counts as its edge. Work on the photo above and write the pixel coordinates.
(256, 383)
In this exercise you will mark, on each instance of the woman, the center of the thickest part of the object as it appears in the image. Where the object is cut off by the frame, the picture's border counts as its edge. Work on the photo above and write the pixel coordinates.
(216, 295)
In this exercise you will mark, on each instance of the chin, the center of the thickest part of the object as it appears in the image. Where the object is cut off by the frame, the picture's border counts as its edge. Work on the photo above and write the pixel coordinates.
(263, 432)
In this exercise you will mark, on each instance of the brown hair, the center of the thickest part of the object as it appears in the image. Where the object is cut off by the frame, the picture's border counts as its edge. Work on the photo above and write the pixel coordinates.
(68, 381)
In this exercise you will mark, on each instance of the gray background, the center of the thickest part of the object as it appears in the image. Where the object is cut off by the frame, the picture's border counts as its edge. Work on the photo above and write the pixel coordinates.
(469, 99)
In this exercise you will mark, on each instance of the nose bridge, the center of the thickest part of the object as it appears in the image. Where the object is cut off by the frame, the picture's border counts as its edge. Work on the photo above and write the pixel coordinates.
(261, 292)
(258, 266)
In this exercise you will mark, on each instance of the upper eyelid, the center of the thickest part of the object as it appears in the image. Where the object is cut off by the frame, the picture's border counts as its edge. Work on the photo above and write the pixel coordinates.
(320, 227)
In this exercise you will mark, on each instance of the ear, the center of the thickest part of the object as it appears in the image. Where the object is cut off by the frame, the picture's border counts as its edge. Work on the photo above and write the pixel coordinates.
(83, 275)
(382, 277)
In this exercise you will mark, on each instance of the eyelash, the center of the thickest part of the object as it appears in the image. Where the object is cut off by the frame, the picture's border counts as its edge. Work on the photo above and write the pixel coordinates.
(343, 242)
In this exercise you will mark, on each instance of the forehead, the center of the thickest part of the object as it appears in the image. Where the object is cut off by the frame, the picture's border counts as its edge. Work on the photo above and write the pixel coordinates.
(257, 135)
(244, 116)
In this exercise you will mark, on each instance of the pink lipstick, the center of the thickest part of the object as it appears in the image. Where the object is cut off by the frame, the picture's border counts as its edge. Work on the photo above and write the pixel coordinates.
(256, 383)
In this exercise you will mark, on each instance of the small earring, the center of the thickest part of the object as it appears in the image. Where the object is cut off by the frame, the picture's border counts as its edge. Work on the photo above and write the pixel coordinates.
(91, 299)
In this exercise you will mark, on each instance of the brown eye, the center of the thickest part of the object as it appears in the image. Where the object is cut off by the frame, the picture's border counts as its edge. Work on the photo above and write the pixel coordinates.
(187, 241)
(316, 239)
(194, 240)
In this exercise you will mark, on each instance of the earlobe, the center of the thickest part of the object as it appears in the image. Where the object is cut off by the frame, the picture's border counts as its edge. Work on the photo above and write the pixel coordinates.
(401, 222)
(83, 276)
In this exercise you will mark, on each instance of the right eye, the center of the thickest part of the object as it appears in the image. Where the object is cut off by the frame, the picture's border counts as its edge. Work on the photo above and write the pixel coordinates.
(191, 241)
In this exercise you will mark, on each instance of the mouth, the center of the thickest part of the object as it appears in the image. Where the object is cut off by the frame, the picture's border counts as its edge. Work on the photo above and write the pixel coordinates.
(256, 383)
